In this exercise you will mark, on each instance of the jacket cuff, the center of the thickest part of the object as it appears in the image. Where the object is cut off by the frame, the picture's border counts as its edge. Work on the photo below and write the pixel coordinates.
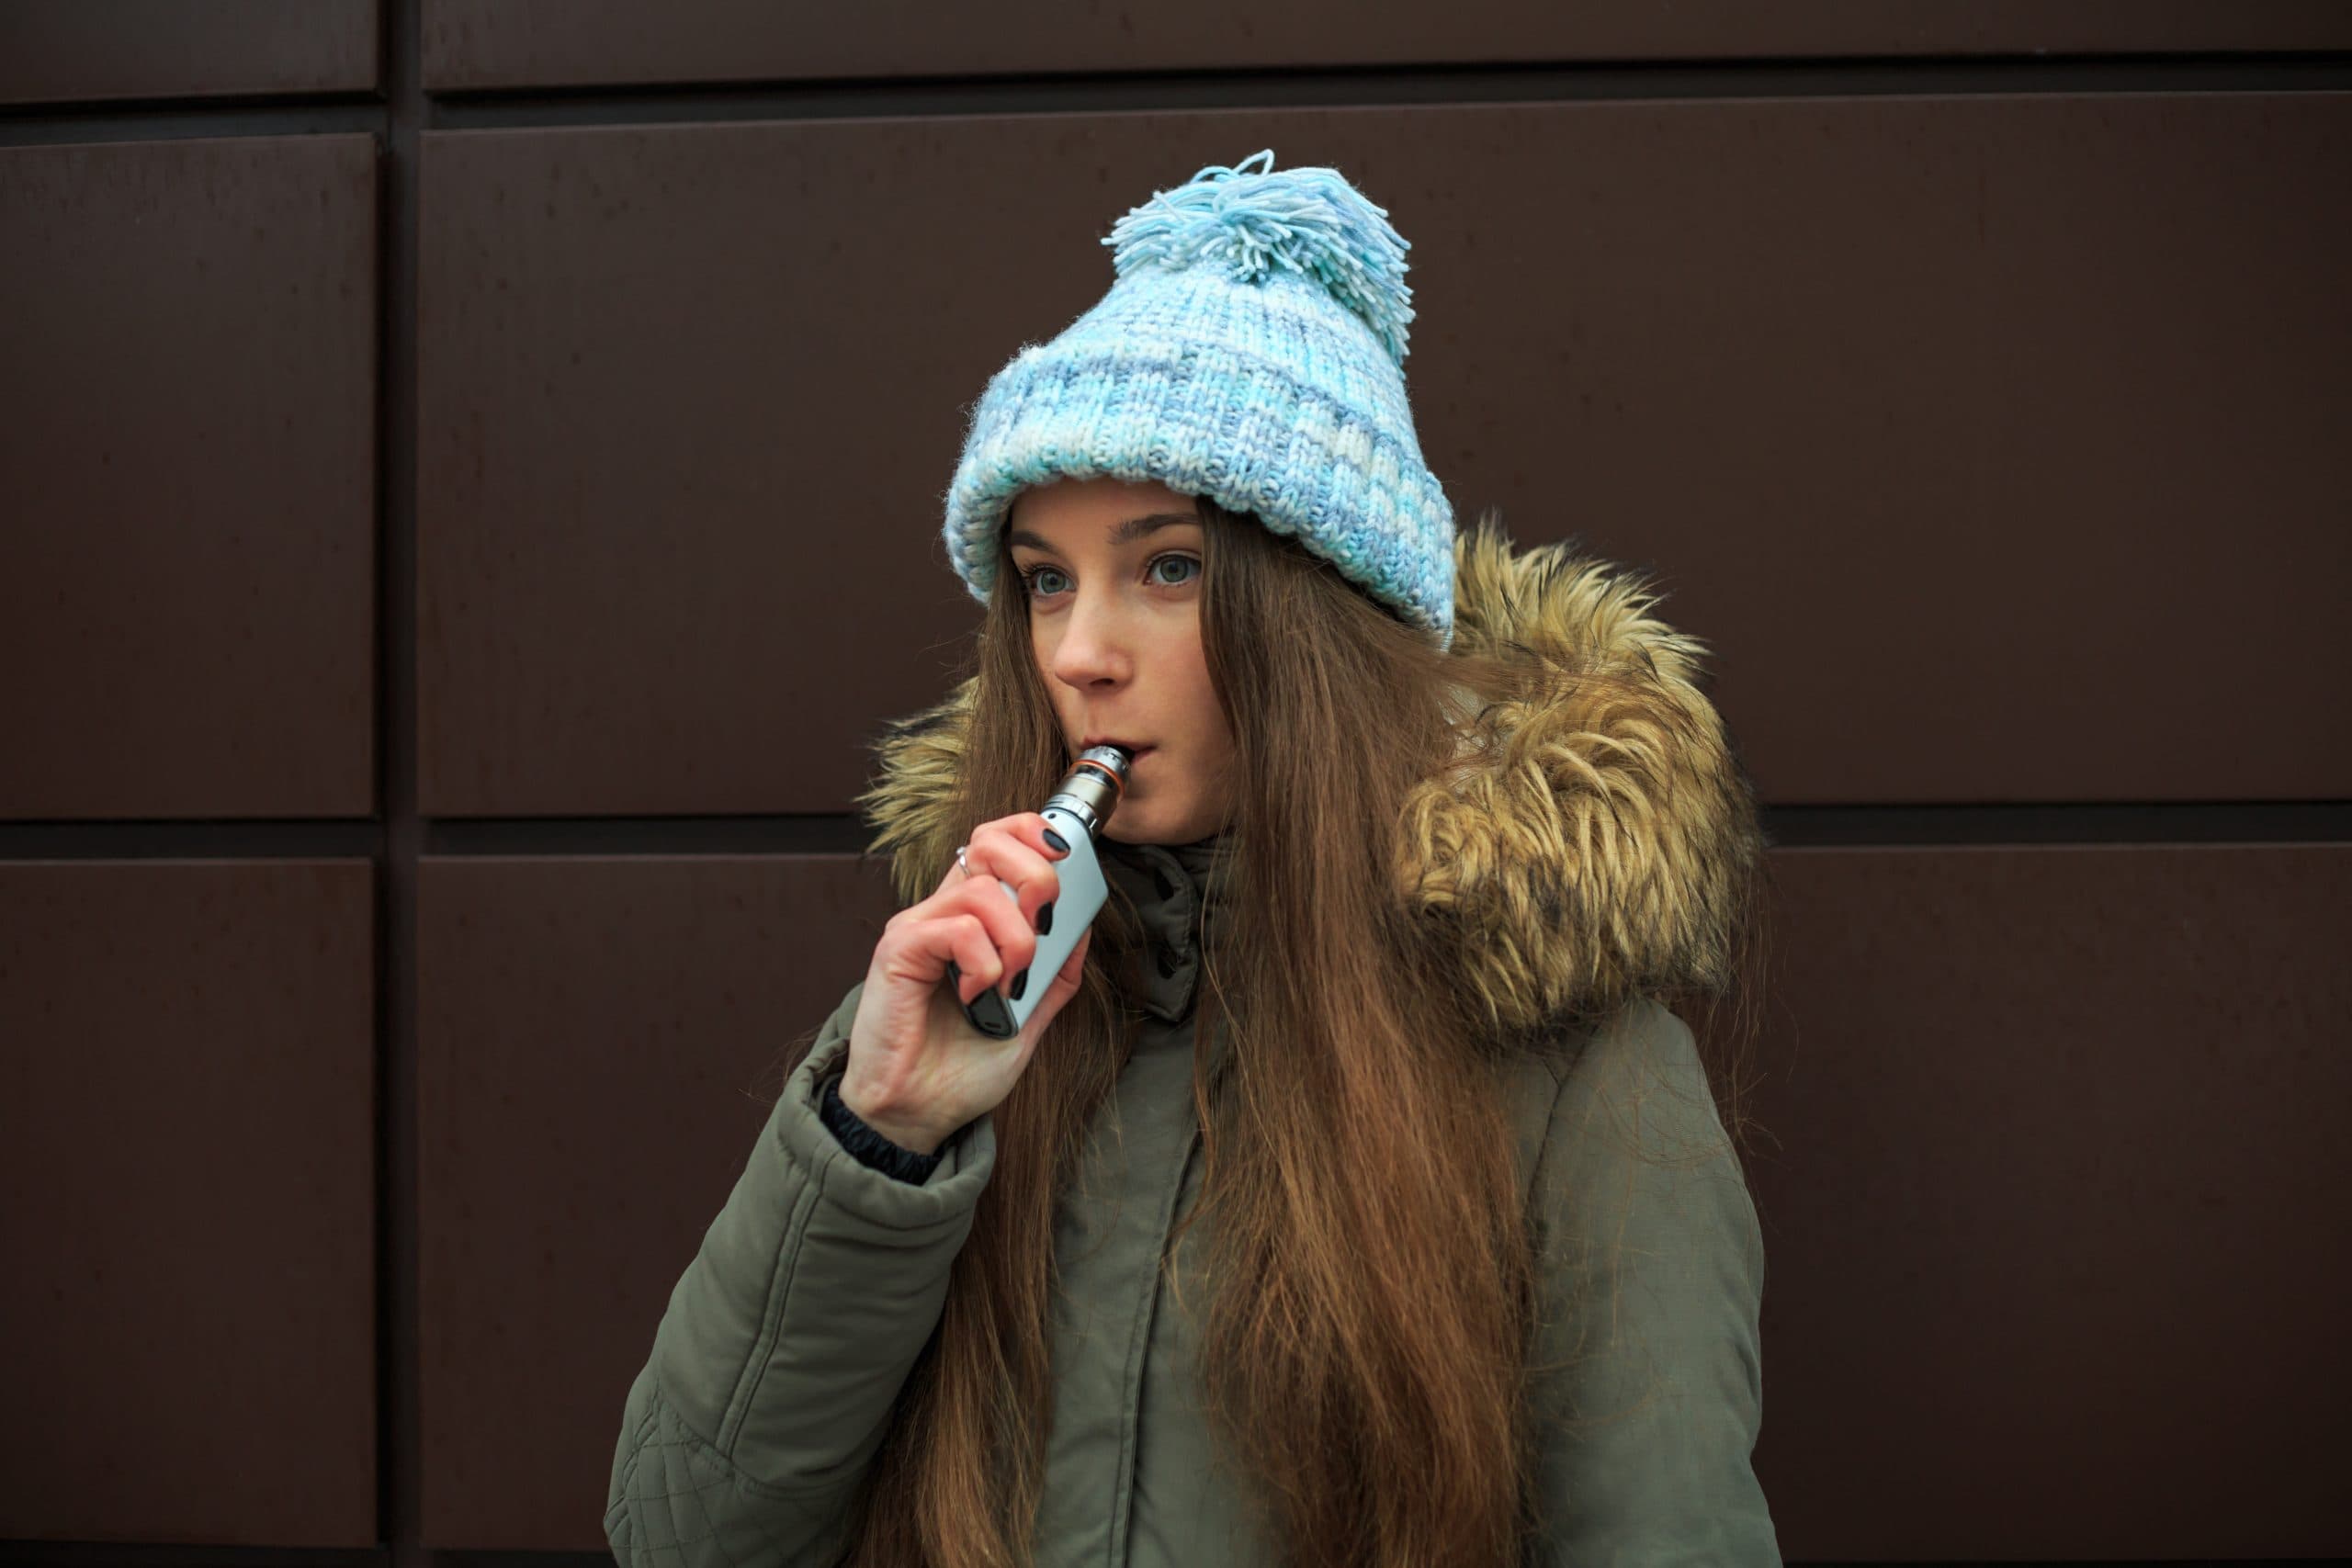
(872, 1149)
(948, 1193)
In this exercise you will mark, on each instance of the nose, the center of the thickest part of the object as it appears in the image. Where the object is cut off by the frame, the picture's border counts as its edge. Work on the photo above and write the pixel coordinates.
(1093, 650)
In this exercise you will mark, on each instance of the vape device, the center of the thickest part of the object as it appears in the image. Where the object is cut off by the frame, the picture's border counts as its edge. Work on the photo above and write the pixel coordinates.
(1076, 810)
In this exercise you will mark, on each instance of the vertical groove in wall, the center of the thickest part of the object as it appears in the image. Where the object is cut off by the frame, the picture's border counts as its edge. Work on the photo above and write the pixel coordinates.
(399, 1446)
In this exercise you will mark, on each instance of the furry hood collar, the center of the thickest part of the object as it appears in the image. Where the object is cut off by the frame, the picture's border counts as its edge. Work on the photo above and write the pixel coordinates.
(1596, 845)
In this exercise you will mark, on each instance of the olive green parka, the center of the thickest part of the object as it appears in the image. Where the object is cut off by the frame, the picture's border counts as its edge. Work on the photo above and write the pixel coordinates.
(1593, 857)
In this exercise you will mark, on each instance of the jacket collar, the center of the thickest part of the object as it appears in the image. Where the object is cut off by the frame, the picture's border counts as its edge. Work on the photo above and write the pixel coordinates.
(1178, 899)
(1587, 846)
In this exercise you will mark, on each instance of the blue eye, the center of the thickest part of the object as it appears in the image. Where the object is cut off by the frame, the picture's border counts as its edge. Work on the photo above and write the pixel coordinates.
(1035, 581)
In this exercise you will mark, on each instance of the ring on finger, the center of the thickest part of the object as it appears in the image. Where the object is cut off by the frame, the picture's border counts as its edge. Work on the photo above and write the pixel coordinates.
(961, 863)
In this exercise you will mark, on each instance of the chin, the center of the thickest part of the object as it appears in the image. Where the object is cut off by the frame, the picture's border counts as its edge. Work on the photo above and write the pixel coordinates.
(1138, 824)
(1127, 830)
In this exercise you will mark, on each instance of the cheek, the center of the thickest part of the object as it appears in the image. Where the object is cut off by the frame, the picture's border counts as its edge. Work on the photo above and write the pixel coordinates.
(1203, 715)
(1041, 654)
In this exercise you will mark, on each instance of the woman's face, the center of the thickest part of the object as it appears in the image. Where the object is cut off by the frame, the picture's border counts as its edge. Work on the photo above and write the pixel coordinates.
(1112, 574)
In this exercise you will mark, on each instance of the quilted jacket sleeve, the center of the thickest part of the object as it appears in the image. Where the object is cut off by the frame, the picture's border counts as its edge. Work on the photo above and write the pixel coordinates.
(772, 1373)
(1653, 1390)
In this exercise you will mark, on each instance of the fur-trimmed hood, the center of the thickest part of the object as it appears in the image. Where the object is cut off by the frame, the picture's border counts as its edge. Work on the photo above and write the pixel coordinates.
(1597, 843)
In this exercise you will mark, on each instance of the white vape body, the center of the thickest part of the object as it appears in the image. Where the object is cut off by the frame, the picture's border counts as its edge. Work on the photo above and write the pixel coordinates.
(1077, 811)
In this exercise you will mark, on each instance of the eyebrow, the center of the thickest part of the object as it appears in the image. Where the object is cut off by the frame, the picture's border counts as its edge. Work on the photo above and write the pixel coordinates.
(1125, 533)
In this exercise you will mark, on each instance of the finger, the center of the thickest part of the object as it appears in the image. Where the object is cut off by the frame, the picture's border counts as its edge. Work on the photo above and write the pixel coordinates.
(1015, 939)
(1020, 864)
(921, 949)
(976, 958)
(1033, 829)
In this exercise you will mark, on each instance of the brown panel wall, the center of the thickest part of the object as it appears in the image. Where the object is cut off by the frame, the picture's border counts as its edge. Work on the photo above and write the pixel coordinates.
(686, 397)
(2053, 1181)
(72, 52)
(1995, 441)
(186, 1140)
(1950, 419)
(188, 360)
(598, 1046)
(473, 44)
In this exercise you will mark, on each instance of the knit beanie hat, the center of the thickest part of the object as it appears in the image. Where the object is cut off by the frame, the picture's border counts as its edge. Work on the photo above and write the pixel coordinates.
(1251, 349)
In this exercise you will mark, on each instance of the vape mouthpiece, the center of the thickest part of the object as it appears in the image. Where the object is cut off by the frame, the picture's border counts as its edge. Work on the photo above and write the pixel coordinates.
(1093, 785)
(1115, 758)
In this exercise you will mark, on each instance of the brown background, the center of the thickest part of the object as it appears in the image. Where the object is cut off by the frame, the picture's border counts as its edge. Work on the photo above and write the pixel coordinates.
(469, 475)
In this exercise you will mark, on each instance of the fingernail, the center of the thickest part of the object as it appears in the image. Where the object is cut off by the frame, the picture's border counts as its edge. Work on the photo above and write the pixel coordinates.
(1056, 840)
(1045, 917)
(1020, 983)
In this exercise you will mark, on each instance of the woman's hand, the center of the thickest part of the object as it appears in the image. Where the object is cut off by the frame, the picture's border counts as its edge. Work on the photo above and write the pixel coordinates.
(917, 1069)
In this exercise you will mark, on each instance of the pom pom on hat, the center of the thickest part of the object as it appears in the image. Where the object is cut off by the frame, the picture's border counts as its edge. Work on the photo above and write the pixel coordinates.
(1306, 221)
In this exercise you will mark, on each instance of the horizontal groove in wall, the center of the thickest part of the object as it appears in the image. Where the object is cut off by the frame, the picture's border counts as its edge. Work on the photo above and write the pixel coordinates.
(1919, 826)
(120, 1554)
(43, 125)
(841, 833)
(189, 840)
(1130, 92)
(1108, 93)
(838, 833)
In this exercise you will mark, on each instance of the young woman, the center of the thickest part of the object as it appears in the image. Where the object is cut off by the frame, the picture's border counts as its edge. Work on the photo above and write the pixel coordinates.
(1352, 1197)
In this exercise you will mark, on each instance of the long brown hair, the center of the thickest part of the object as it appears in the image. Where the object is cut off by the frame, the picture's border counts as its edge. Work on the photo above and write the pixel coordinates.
(1359, 1167)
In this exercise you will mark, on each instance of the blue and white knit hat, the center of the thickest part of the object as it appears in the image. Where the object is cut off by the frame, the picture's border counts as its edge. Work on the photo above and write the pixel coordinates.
(1251, 349)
